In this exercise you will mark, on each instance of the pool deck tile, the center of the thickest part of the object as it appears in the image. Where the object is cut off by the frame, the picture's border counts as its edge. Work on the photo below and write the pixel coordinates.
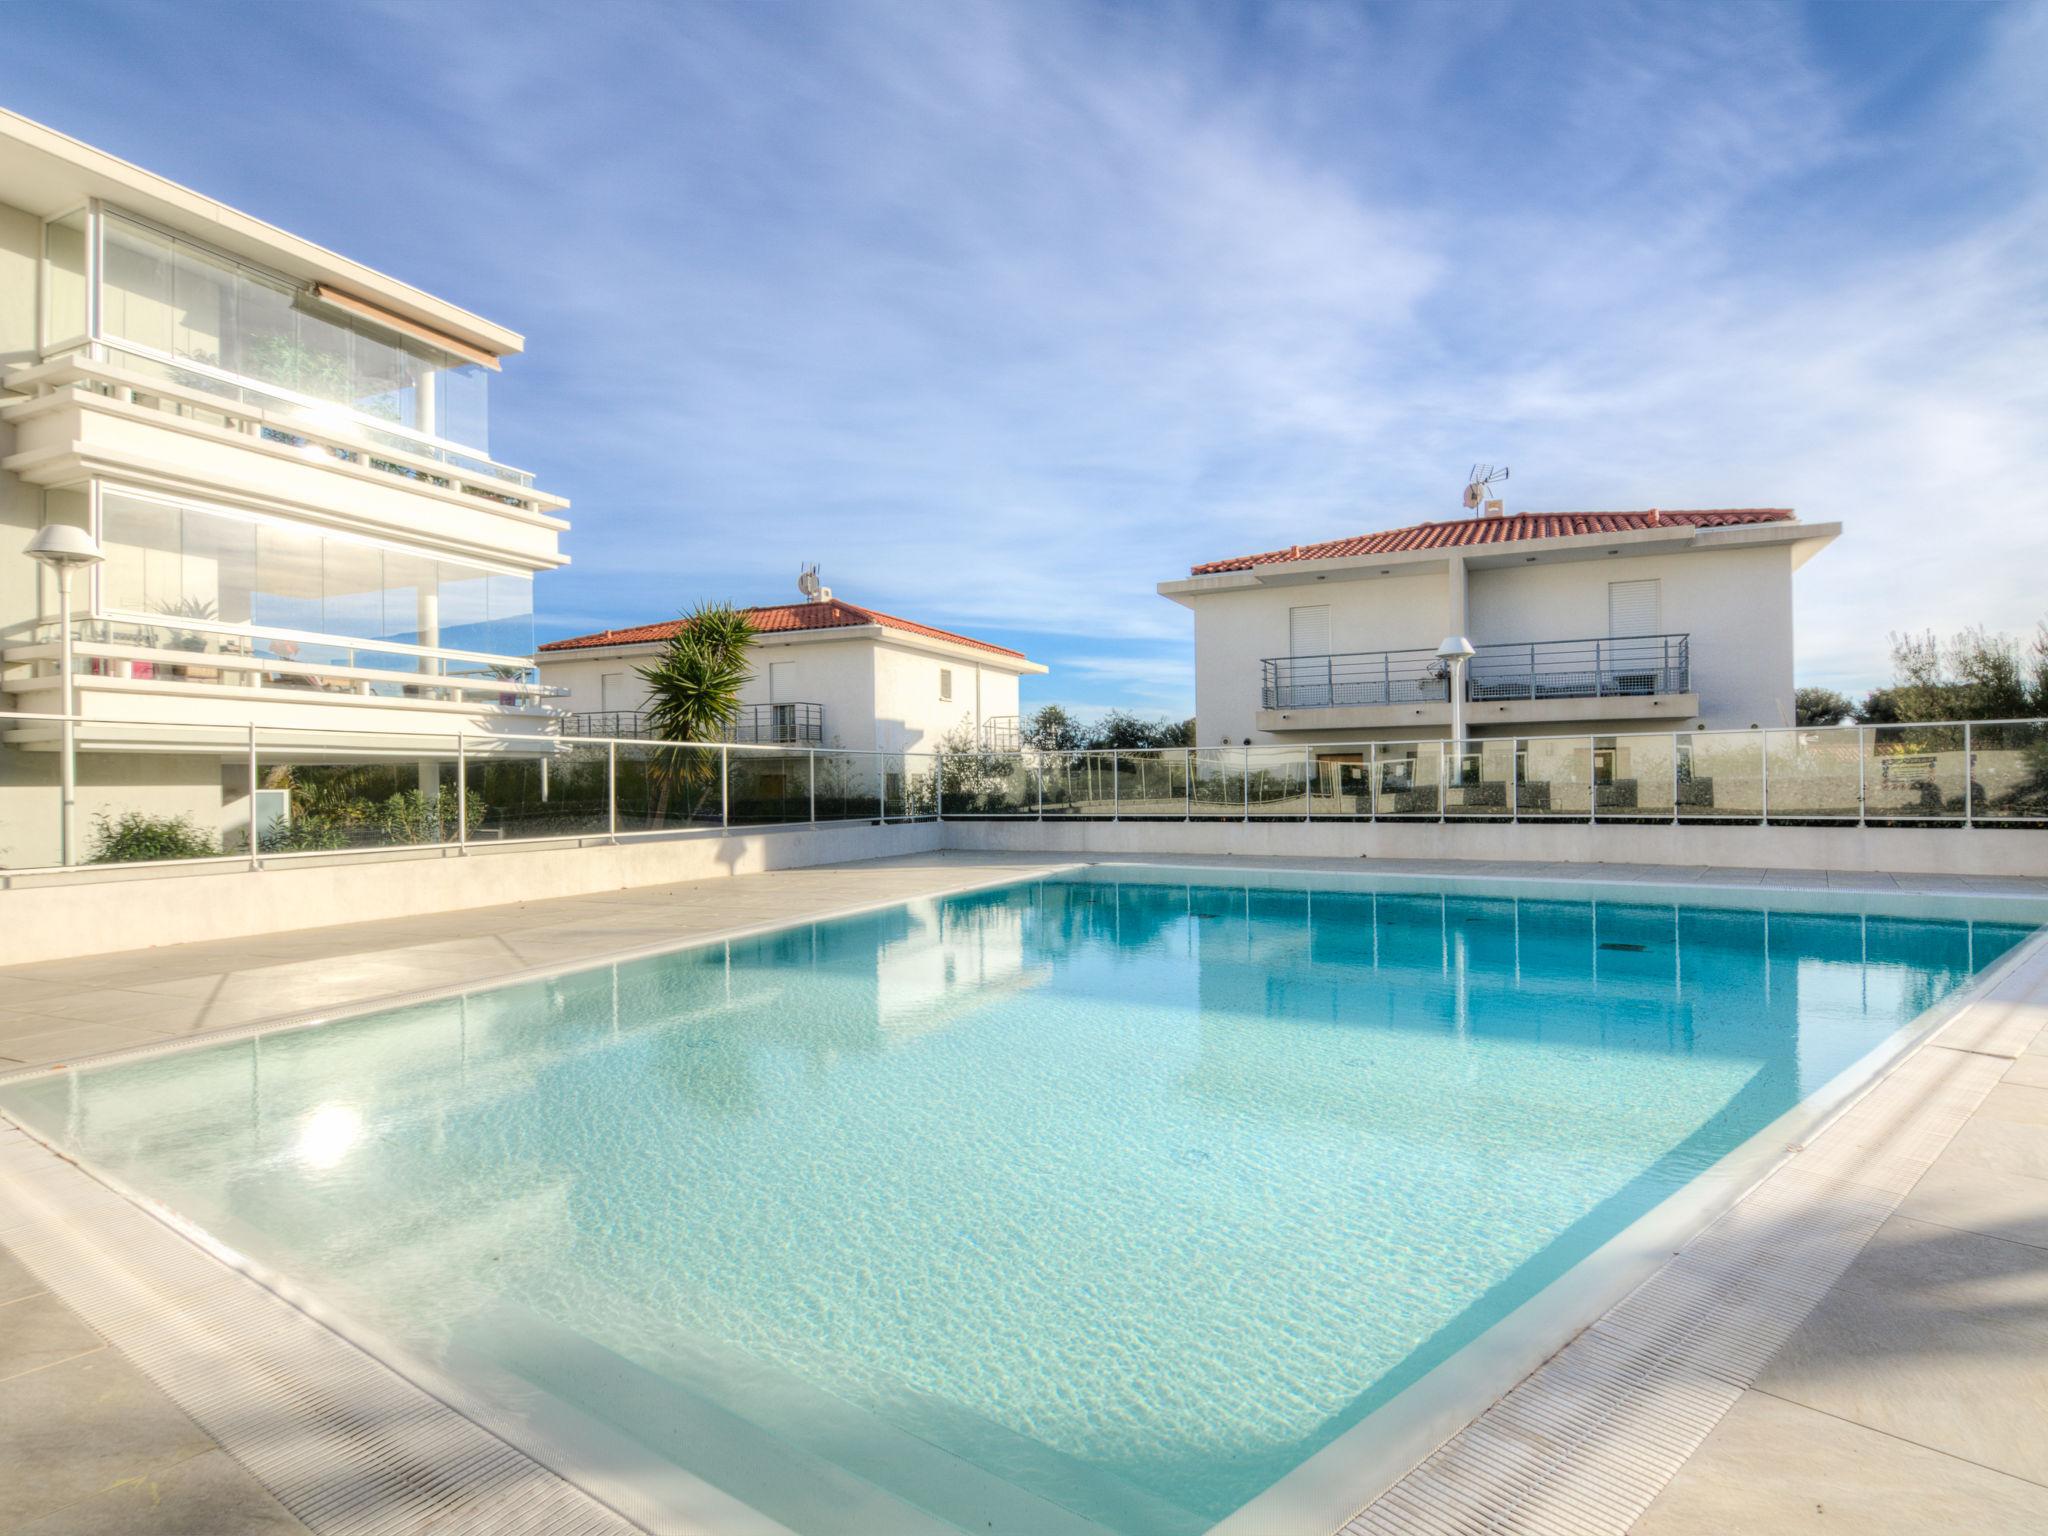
(1913, 1399)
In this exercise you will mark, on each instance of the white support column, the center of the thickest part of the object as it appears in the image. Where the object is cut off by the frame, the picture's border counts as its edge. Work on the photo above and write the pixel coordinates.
(255, 824)
(461, 793)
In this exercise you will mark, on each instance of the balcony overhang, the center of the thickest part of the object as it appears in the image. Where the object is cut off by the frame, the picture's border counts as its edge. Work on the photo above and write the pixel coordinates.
(73, 433)
(1681, 709)
(50, 173)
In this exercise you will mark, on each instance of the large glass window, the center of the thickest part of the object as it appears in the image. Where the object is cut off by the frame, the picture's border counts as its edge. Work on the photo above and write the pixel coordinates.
(167, 559)
(64, 284)
(165, 295)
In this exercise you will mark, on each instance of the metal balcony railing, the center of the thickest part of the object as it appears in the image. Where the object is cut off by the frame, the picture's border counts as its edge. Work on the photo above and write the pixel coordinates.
(1002, 733)
(758, 724)
(1623, 667)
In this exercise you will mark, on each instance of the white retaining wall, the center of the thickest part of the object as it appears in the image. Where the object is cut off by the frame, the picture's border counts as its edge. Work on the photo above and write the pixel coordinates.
(62, 920)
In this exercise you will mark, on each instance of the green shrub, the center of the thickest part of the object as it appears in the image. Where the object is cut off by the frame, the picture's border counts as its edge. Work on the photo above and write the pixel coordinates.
(136, 837)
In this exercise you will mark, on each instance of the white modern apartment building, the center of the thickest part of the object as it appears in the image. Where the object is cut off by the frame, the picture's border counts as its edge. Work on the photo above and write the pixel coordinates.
(1581, 622)
(825, 672)
(283, 457)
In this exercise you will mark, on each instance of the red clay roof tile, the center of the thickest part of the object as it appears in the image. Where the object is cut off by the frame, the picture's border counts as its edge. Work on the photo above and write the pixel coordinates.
(782, 618)
(1467, 531)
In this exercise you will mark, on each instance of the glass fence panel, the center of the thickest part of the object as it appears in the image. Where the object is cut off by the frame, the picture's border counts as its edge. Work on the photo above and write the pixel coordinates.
(552, 787)
(1151, 783)
(1279, 782)
(2009, 771)
(667, 788)
(917, 785)
(1480, 776)
(1407, 778)
(1813, 774)
(1340, 784)
(1218, 775)
(1636, 777)
(989, 784)
(1721, 777)
(1075, 783)
(1914, 773)
(850, 785)
(145, 793)
(767, 788)
(1556, 778)
(331, 791)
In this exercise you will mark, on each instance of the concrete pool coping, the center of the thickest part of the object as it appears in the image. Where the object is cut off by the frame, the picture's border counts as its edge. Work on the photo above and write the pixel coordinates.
(940, 874)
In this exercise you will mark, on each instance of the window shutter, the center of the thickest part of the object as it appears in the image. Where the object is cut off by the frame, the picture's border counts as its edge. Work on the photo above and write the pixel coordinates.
(1308, 631)
(1634, 608)
(612, 690)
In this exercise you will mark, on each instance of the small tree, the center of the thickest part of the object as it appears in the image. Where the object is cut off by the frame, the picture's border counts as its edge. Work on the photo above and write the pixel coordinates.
(1821, 706)
(1974, 675)
(1052, 729)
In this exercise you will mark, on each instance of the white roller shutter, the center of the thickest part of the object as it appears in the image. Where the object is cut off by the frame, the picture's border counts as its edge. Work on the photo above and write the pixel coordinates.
(1635, 608)
(1308, 631)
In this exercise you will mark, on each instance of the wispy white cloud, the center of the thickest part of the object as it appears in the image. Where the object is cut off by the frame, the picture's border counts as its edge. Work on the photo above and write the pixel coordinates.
(1007, 311)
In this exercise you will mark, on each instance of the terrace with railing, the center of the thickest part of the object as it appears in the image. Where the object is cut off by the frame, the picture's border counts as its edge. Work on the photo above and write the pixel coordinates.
(1634, 666)
(778, 724)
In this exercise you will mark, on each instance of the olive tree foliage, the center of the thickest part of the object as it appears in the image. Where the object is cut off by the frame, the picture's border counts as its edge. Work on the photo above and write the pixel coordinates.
(1821, 706)
(1972, 675)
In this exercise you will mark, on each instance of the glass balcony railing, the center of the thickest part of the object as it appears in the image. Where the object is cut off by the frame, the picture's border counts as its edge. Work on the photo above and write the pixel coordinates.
(1632, 666)
(190, 651)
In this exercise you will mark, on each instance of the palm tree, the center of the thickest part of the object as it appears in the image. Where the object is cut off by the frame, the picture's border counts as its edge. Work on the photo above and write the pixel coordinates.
(693, 692)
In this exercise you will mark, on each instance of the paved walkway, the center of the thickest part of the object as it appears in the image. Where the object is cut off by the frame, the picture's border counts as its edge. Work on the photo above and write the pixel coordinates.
(1914, 1399)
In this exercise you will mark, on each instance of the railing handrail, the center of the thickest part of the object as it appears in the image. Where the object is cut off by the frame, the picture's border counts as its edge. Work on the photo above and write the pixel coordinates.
(1241, 782)
(1521, 646)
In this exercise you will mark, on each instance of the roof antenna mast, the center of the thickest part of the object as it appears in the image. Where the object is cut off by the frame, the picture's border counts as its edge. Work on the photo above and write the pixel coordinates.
(1482, 478)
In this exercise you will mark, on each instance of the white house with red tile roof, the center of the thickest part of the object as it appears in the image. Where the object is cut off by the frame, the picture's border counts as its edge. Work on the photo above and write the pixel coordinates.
(825, 671)
(1582, 622)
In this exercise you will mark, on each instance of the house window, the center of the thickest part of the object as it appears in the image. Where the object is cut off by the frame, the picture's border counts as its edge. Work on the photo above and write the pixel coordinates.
(1308, 631)
(945, 685)
(782, 682)
(611, 691)
(1634, 608)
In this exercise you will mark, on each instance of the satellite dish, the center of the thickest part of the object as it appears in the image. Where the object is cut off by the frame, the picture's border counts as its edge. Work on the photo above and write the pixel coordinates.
(1473, 493)
(1477, 482)
(807, 581)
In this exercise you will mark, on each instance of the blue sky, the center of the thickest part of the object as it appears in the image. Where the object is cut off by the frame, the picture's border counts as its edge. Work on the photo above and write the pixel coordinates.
(1006, 312)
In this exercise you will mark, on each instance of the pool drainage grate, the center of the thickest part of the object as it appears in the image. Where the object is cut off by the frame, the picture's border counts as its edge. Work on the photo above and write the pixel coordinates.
(1583, 1445)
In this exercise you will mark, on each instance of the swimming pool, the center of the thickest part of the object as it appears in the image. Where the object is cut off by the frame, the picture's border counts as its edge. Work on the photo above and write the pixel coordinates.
(1098, 1202)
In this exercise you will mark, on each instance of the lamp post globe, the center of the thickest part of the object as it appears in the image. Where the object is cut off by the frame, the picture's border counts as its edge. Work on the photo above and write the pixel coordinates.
(1456, 651)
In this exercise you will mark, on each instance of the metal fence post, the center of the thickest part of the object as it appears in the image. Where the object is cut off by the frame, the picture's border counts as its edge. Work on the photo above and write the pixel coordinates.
(1247, 783)
(1764, 758)
(1039, 766)
(724, 786)
(1674, 778)
(1116, 790)
(882, 785)
(461, 792)
(255, 823)
(938, 784)
(1592, 779)
(611, 789)
(1188, 780)
(1308, 784)
(1862, 782)
(1969, 779)
(812, 754)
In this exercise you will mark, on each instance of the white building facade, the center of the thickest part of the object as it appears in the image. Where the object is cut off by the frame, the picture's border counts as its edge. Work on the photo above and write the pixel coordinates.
(284, 458)
(1582, 623)
(825, 672)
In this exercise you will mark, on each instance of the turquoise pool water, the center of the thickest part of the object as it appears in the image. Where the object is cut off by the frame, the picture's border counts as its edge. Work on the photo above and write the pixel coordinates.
(1089, 1203)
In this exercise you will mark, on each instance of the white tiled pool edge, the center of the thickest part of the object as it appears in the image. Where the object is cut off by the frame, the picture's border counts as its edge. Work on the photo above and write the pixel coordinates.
(1584, 1444)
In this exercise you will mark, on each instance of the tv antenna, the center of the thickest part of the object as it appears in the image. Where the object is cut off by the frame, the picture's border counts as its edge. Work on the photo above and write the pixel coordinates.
(1479, 481)
(807, 583)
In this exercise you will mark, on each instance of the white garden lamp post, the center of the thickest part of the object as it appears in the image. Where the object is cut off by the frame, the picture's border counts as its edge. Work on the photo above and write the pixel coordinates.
(1456, 651)
(64, 550)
